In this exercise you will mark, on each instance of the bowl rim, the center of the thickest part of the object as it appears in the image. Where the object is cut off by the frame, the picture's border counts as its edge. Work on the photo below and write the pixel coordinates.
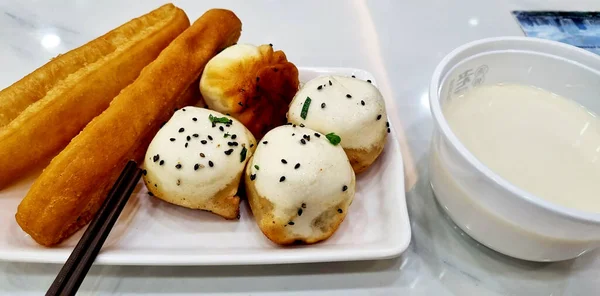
(436, 81)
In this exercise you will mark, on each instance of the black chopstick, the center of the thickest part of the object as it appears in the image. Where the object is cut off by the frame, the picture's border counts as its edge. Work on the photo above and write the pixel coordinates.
(76, 267)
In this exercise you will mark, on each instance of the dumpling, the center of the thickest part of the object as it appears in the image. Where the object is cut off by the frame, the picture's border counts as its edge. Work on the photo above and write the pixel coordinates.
(351, 108)
(299, 185)
(196, 161)
(253, 84)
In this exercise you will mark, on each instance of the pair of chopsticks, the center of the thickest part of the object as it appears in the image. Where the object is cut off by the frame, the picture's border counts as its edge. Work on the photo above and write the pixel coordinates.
(71, 276)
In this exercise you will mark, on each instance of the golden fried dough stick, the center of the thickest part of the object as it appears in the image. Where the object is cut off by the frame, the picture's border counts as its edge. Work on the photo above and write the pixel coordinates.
(45, 127)
(73, 186)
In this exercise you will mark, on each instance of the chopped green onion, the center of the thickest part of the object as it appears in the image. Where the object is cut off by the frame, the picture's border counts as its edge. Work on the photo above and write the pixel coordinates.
(305, 108)
(257, 167)
(243, 154)
(333, 138)
(215, 119)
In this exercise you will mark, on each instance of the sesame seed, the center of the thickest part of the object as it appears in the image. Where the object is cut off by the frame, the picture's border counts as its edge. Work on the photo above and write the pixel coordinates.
(202, 155)
(344, 188)
(323, 105)
(252, 177)
(271, 44)
(172, 139)
(188, 138)
(196, 167)
(203, 141)
(211, 164)
(144, 172)
(378, 116)
(317, 135)
(302, 125)
(297, 166)
(221, 128)
(282, 179)
(265, 142)
(303, 205)
(150, 193)
(330, 82)
(348, 96)
(387, 124)
(283, 161)
(340, 211)
(228, 152)
(233, 136)
(388, 130)
(178, 182)
(300, 212)
(194, 119)
(214, 124)
(209, 137)
(319, 87)
(186, 144)
(293, 135)
(362, 102)
(155, 158)
(161, 162)
(293, 125)
(353, 76)
(369, 80)
(181, 130)
(178, 166)
(302, 141)
(195, 135)
(229, 143)
(291, 223)
(183, 109)
(251, 145)
(155, 185)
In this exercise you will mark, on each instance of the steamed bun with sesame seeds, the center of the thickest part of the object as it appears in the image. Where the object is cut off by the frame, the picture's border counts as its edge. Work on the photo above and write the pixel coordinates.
(299, 185)
(253, 84)
(349, 107)
(196, 161)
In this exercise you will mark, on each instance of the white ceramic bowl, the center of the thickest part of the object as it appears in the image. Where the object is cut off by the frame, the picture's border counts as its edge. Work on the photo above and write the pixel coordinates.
(487, 207)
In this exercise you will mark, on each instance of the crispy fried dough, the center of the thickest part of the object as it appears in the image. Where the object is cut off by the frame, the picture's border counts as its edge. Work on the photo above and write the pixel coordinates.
(69, 100)
(71, 189)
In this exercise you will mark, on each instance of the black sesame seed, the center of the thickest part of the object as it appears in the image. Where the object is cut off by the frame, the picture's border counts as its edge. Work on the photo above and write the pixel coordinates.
(229, 143)
(303, 205)
(155, 158)
(188, 138)
(252, 177)
(251, 145)
(319, 87)
(323, 105)
(302, 141)
(291, 223)
(181, 130)
(378, 116)
(235, 144)
(178, 166)
(369, 80)
(271, 44)
(194, 119)
(203, 142)
(283, 161)
(340, 211)
(209, 137)
(317, 135)
(353, 76)
(362, 102)
(233, 136)
(300, 212)
(214, 124)
(302, 125)
(161, 162)
(172, 139)
(144, 172)
(293, 135)
(155, 185)
(348, 96)
(228, 152)
(183, 109)
(265, 142)
(211, 164)
(289, 123)
(387, 124)
(150, 193)
(344, 188)
(202, 155)
(330, 82)
(221, 128)
(293, 125)
(282, 179)
(186, 144)
(297, 166)
(388, 130)
(196, 167)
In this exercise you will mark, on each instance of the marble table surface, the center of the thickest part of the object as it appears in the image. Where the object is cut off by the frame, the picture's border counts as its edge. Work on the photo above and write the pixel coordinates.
(400, 42)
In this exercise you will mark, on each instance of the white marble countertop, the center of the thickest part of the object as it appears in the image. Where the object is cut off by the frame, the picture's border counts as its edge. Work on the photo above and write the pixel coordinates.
(400, 42)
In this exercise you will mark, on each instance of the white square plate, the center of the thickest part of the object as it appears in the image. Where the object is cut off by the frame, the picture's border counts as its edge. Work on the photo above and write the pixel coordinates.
(153, 232)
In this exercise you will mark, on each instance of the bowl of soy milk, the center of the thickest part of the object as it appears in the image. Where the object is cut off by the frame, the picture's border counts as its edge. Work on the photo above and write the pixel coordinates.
(515, 153)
